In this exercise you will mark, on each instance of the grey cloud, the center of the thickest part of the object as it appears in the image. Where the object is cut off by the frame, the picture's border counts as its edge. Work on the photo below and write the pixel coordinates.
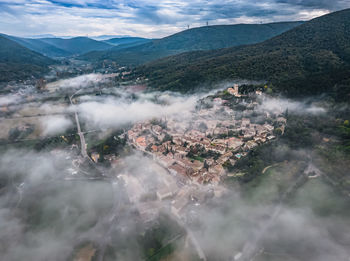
(319, 4)
(55, 210)
(117, 112)
(55, 125)
(281, 104)
(148, 14)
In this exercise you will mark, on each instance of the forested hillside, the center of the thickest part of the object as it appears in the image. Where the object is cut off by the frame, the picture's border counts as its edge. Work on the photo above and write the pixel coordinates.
(77, 45)
(202, 38)
(18, 62)
(310, 59)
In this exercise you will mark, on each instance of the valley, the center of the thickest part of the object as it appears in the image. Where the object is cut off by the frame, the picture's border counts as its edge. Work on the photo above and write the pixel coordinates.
(186, 161)
(215, 143)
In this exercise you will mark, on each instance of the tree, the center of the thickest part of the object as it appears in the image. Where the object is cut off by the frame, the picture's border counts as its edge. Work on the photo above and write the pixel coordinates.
(167, 137)
(206, 166)
(277, 131)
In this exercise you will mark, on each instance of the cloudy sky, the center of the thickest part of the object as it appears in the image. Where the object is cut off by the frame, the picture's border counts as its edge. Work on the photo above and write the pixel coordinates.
(148, 18)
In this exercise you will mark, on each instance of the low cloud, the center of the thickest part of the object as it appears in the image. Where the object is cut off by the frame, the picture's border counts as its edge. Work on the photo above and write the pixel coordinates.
(9, 99)
(271, 104)
(55, 125)
(41, 215)
(45, 216)
(83, 81)
(111, 112)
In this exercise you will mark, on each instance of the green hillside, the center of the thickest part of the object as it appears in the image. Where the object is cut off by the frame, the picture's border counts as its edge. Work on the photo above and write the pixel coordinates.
(39, 46)
(202, 38)
(18, 62)
(127, 40)
(58, 47)
(77, 45)
(309, 59)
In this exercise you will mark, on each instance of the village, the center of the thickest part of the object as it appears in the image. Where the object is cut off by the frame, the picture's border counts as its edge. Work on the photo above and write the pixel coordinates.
(198, 149)
(188, 153)
(195, 152)
(184, 153)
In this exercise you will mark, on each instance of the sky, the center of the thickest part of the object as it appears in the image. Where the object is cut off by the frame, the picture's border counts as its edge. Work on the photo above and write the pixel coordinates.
(148, 18)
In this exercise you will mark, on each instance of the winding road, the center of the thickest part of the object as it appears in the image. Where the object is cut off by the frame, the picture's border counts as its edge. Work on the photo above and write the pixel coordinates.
(80, 133)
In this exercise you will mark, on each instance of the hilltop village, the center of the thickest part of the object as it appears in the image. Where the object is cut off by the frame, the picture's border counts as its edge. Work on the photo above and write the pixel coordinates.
(222, 129)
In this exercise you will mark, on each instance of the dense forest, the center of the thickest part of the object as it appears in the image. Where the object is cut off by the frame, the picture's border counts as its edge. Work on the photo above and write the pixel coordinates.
(312, 58)
(18, 62)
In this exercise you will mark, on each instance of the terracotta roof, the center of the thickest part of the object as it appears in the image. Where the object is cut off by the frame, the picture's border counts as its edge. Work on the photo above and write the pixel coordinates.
(141, 141)
(178, 169)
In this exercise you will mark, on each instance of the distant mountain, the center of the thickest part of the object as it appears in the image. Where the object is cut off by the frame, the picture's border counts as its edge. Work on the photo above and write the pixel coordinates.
(37, 36)
(18, 62)
(58, 47)
(77, 45)
(127, 40)
(309, 59)
(107, 37)
(202, 38)
(40, 46)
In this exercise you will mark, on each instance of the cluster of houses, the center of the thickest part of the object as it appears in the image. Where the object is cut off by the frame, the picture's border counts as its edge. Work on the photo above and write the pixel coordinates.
(197, 149)
(193, 151)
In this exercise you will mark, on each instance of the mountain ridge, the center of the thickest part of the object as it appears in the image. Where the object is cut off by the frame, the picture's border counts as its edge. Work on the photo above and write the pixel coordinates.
(18, 62)
(126, 40)
(55, 47)
(201, 38)
(315, 54)
(77, 45)
(39, 46)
